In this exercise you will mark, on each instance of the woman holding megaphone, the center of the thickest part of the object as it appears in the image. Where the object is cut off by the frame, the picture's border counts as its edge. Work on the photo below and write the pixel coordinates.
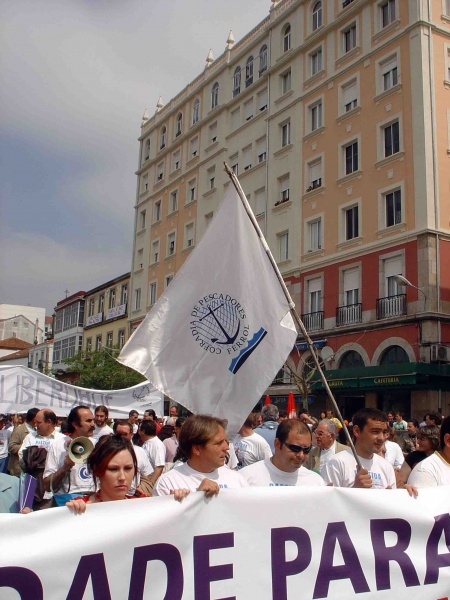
(113, 465)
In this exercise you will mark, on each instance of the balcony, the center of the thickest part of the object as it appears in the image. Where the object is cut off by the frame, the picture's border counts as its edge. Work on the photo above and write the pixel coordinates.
(313, 321)
(392, 306)
(348, 315)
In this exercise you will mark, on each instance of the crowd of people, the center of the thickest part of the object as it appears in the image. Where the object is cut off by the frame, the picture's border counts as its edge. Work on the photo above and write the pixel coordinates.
(135, 458)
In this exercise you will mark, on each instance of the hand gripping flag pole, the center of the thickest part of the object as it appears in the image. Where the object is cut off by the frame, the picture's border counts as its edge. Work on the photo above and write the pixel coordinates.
(294, 313)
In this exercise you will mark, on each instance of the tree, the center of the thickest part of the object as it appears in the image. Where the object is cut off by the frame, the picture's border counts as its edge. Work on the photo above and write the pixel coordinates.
(100, 371)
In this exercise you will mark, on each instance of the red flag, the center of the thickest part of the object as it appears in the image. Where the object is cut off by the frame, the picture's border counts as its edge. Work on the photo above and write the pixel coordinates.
(291, 410)
(267, 400)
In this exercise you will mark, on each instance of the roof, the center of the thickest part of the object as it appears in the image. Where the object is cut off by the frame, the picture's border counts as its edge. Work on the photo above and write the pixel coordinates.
(20, 354)
(15, 344)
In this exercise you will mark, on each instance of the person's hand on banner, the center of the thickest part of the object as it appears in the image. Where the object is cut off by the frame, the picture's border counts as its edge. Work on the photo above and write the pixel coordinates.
(180, 494)
(211, 488)
(362, 479)
(77, 505)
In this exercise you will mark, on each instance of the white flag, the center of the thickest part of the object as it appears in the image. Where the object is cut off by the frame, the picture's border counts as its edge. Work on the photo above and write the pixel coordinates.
(220, 332)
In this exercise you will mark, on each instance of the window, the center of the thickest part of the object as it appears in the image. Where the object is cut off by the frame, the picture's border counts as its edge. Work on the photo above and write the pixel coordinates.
(391, 267)
(351, 279)
(179, 127)
(351, 158)
(287, 38)
(352, 223)
(235, 119)
(389, 73)
(249, 71)
(387, 12)
(284, 187)
(215, 95)
(262, 100)
(152, 293)
(350, 96)
(263, 59)
(162, 138)
(213, 133)
(208, 219)
(285, 134)
(160, 172)
(237, 82)
(349, 38)
(173, 202)
(193, 147)
(112, 298)
(196, 111)
(137, 299)
(101, 303)
(247, 158)
(286, 82)
(121, 338)
(315, 235)
(147, 150)
(176, 160)
(260, 202)
(261, 150)
(157, 211)
(391, 139)
(155, 251)
(315, 295)
(211, 178)
(109, 339)
(168, 280)
(316, 61)
(234, 163)
(140, 258)
(189, 235)
(142, 215)
(88, 345)
(248, 110)
(124, 294)
(317, 16)
(314, 175)
(91, 307)
(393, 205)
(283, 246)
(98, 344)
(316, 116)
(191, 195)
(171, 244)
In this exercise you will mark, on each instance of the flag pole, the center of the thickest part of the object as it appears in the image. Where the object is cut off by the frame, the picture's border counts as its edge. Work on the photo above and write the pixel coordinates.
(291, 304)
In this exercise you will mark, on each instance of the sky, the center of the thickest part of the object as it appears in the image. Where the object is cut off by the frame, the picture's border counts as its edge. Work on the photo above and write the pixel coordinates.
(75, 79)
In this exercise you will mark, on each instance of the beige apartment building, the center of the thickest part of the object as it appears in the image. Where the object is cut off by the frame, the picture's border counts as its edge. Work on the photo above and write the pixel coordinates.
(106, 310)
(335, 116)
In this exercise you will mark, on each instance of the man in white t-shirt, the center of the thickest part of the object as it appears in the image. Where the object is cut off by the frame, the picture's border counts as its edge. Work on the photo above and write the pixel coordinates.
(434, 470)
(5, 434)
(204, 445)
(369, 426)
(154, 448)
(292, 446)
(327, 446)
(46, 432)
(101, 417)
(145, 469)
(61, 475)
(250, 447)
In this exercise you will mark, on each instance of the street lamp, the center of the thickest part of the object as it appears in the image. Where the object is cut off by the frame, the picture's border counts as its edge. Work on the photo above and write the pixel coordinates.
(400, 280)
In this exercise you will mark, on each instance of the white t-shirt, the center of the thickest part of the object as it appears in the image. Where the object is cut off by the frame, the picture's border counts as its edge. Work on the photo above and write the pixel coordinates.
(251, 449)
(266, 474)
(5, 434)
(394, 454)
(341, 470)
(99, 431)
(184, 476)
(156, 452)
(430, 472)
(81, 480)
(34, 439)
(144, 468)
(326, 454)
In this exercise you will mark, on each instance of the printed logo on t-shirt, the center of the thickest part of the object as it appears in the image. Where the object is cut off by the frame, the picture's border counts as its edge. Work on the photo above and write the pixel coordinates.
(84, 473)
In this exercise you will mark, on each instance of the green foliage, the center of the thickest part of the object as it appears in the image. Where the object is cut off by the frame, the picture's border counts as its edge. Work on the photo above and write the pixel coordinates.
(100, 370)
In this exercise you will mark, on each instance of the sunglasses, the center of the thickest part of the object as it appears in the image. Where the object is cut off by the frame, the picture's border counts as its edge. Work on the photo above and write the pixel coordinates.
(296, 449)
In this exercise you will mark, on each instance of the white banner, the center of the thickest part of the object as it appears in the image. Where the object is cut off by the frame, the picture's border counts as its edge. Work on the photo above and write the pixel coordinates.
(22, 388)
(286, 543)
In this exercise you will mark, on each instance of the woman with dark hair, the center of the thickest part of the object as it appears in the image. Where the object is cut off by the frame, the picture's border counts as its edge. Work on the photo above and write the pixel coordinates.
(427, 442)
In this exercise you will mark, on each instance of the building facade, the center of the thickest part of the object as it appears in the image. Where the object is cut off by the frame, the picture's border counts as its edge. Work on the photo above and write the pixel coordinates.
(68, 330)
(106, 315)
(334, 114)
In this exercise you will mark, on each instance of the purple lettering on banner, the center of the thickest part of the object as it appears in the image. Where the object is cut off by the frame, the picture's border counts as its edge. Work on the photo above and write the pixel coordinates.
(384, 554)
(351, 569)
(436, 561)
(93, 566)
(170, 556)
(282, 568)
(24, 581)
(204, 573)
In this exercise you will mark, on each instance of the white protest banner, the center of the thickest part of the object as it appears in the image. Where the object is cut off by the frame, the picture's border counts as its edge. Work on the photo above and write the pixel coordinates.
(221, 331)
(283, 543)
(22, 388)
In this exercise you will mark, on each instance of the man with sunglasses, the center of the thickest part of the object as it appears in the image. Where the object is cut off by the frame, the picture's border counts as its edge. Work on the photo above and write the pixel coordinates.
(292, 447)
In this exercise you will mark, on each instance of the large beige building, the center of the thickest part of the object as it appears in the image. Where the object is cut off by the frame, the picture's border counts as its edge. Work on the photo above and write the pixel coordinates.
(335, 115)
